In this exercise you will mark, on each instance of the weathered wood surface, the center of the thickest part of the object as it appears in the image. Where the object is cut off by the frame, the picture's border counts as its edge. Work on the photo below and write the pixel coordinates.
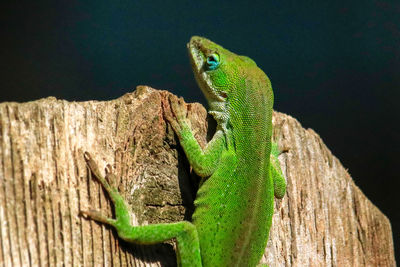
(323, 220)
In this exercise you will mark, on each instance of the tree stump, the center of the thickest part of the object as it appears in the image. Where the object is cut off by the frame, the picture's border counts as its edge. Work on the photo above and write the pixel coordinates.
(323, 220)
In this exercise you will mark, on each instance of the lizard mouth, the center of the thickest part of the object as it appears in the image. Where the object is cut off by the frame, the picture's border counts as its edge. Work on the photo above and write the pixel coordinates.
(196, 58)
(198, 51)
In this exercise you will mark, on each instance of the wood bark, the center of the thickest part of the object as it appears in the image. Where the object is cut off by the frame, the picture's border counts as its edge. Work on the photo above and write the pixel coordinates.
(323, 220)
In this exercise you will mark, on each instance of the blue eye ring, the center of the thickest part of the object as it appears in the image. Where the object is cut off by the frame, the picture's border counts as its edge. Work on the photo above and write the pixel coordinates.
(212, 61)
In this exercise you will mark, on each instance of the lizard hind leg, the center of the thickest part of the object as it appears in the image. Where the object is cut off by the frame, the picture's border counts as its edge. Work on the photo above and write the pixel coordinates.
(185, 233)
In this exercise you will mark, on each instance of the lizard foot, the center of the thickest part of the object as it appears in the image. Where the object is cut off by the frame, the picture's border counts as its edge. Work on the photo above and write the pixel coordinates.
(97, 216)
(176, 113)
(121, 208)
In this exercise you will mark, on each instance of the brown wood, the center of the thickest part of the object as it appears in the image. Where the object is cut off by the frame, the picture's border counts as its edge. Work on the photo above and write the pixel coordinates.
(323, 220)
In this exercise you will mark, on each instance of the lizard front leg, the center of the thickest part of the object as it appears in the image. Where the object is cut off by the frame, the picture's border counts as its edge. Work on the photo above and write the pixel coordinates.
(276, 172)
(203, 161)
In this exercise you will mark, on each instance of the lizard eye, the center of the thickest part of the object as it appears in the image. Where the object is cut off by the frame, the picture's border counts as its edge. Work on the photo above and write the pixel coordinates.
(212, 61)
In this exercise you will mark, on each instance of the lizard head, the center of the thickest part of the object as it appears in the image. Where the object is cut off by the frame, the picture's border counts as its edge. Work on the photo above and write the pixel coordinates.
(217, 70)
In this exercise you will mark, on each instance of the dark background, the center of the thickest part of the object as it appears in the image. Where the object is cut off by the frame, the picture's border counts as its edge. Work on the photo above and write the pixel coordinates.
(334, 66)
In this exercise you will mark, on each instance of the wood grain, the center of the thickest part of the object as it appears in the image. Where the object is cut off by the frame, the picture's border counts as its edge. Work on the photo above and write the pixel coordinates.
(323, 220)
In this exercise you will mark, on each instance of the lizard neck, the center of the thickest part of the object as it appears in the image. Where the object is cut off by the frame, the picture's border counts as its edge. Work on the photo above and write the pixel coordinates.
(250, 114)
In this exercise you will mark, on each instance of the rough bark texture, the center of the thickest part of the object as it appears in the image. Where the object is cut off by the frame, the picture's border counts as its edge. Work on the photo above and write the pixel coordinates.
(323, 220)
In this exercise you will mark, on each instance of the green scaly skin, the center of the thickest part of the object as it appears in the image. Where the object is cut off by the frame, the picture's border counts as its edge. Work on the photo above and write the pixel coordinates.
(239, 167)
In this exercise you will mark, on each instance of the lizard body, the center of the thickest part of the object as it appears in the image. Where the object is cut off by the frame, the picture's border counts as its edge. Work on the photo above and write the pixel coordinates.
(239, 167)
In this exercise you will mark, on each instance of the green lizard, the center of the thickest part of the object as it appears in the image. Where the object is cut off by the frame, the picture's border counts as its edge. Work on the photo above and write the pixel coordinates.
(239, 167)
